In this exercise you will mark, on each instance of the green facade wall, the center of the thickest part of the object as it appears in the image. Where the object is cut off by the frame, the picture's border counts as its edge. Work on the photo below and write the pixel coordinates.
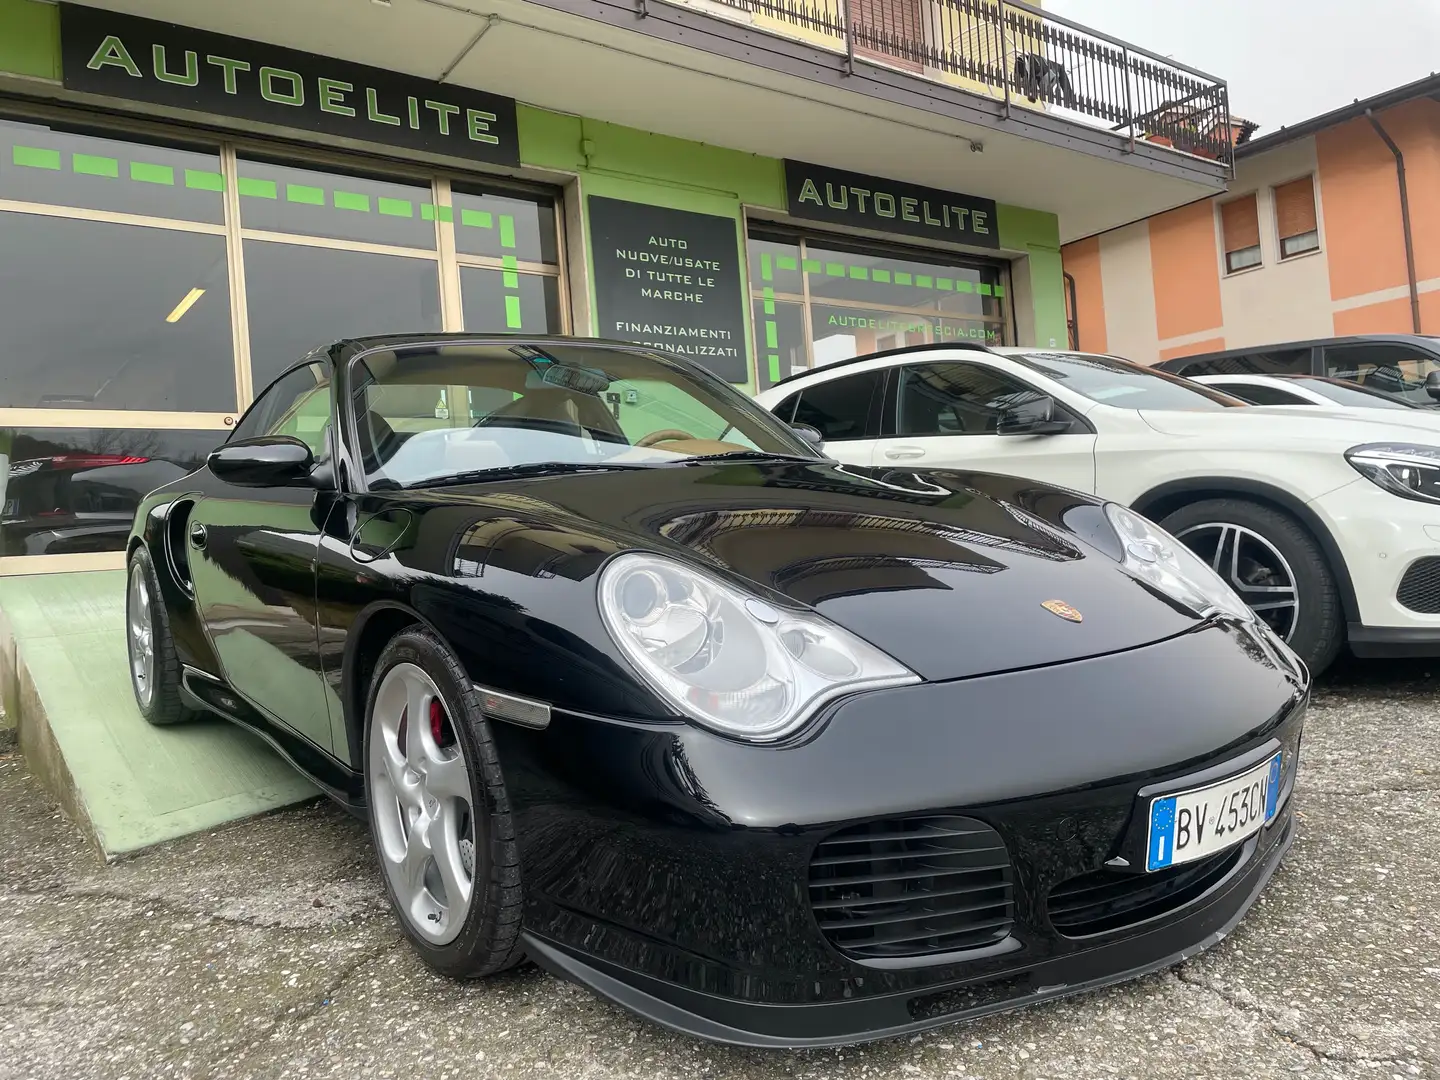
(29, 39)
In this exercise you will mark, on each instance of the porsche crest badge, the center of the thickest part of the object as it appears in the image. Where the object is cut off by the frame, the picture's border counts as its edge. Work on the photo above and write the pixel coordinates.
(1064, 610)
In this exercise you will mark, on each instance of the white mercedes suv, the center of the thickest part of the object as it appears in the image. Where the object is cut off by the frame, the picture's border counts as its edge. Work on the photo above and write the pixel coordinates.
(1326, 521)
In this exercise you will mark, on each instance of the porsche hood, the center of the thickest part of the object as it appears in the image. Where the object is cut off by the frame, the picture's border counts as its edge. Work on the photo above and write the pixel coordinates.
(952, 574)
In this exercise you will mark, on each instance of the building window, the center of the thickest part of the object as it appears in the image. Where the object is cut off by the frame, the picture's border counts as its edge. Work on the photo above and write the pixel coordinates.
(134, 342)
(1240, 226)
(817, 300)
(1295, 217)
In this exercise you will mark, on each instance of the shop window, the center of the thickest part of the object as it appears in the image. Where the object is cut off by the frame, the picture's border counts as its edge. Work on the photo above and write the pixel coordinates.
(861, 299)
(1295, 217)
(99, 315)
(341, 206)
(504, 301)
(40, 163)
(301, 297)
(504, 226)
(840, 408)
(956, 399)
(72, 490)
(1240, 226)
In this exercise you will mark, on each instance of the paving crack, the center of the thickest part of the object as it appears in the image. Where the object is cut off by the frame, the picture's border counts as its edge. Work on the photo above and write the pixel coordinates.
(1269, 1023)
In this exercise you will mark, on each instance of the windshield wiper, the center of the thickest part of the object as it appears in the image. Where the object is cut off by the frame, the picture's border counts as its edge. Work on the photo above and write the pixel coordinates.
(511, 472)
(747, 455)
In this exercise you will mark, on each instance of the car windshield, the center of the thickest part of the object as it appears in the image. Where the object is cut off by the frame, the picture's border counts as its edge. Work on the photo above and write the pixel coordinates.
(1117, 382)
(441, 410)
(1350, 395)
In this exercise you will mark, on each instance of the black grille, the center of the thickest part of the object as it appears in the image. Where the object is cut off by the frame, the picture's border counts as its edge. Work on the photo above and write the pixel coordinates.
(912, 886)
(1420, 587)
(1108, 900)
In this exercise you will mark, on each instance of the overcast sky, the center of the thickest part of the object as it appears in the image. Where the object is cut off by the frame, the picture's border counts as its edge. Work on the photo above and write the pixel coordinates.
(1285, 60)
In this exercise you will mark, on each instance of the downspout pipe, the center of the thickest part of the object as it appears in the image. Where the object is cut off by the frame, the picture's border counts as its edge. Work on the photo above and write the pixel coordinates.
(1074, 326)
(1404, 218)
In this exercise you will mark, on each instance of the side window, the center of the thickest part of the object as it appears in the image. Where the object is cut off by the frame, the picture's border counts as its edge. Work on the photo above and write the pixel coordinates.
(1262, 362)
(956, 399)
(296, 404)
(1391, 369)
(840, 408)
(786, 409)
(1256, 394)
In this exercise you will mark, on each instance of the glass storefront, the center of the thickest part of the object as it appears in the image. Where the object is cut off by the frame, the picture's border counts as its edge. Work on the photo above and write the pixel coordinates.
(818, 299)
(145, 303)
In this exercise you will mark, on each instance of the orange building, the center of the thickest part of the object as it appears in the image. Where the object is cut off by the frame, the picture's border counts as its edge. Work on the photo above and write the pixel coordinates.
(1313, 238)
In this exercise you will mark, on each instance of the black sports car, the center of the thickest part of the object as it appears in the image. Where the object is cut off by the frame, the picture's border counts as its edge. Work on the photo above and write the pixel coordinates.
(631, 680)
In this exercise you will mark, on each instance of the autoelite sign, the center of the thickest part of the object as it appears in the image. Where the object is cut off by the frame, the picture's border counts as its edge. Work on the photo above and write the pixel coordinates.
(122, 56)
(819, 193)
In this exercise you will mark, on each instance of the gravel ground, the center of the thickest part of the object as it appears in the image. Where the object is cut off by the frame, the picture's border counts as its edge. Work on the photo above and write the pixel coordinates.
(266, 950)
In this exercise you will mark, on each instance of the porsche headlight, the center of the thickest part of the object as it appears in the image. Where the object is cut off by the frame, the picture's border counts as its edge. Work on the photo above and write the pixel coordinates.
(1153, 555)
(1404, 469)
(727, 659)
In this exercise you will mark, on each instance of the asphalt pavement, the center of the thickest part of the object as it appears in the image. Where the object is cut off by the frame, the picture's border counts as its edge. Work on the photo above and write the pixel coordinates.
(266, 950)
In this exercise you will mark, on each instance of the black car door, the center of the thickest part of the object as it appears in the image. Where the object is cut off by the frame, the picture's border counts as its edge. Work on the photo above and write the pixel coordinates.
(253, 558)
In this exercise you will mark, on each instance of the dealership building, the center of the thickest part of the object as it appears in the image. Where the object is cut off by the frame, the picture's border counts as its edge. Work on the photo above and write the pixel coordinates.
(194, 194)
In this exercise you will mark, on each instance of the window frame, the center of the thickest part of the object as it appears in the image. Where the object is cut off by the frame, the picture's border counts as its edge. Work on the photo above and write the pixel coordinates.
(231, 146)
(1226, 252)
(872, 423)
(1281, 254)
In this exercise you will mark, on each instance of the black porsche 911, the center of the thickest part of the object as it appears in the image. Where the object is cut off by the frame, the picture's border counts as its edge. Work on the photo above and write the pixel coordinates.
(631, 680)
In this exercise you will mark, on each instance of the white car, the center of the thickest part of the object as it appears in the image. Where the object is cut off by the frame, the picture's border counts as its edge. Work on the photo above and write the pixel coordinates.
(1314, 391)
(1327, 522)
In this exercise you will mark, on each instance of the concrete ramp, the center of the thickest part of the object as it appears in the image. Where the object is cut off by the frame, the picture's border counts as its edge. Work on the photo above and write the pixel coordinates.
(128, 785)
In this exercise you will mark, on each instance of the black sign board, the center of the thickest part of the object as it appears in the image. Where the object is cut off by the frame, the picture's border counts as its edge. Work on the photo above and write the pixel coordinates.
(137, 59)
(819, 193)
(670, 279)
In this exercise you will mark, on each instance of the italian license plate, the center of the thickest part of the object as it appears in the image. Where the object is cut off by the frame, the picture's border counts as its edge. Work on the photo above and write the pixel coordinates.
(1194, 824)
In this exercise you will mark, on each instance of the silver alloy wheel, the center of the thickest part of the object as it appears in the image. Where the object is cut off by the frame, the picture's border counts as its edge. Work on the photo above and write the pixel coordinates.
(1253, 567)
(141, 636)
(420, 795)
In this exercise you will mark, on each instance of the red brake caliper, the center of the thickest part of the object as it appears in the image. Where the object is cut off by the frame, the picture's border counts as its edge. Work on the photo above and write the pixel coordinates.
(439, 725)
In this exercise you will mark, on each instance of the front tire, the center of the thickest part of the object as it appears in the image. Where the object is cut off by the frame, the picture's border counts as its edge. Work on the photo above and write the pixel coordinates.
(1274, 565)
(154, 664)
(439, 810)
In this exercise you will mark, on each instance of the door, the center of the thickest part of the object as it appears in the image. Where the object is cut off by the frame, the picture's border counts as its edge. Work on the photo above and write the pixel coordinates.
(845, 411)
(252, 557)
(947, 416)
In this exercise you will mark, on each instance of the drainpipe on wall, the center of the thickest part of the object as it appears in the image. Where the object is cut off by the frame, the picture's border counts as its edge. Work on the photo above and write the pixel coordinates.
(1404, 218)
(1074, 323)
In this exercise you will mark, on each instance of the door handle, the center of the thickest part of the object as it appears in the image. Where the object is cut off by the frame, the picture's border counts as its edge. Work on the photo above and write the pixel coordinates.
(898, 453)
(197, 536)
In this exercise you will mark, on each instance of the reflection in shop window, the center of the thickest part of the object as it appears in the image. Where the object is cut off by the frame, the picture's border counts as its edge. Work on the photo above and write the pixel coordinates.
(779, 339)
(284, 198)
(502, 301)
(71, 490)
(103, 316)
(41, 163)
(301, 298)
(504, 225)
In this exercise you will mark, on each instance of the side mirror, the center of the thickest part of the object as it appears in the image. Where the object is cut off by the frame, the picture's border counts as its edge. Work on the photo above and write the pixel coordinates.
(1432, 385)
(812, 435)
(267, 461)
(1033, 417)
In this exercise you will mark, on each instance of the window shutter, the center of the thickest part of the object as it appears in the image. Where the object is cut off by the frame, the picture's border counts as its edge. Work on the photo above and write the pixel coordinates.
(1240, 222)
(1295, 208)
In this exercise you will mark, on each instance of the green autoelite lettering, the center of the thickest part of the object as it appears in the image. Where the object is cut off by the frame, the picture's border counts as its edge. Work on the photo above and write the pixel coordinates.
(372, 109)
(269, 76)
(112, 53)
(229, 67)
(332, 97)
(162, 72)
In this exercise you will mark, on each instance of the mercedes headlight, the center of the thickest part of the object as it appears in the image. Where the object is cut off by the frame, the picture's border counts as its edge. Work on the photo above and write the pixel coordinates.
(728, 659)
(1404, 469)
(1153, 555)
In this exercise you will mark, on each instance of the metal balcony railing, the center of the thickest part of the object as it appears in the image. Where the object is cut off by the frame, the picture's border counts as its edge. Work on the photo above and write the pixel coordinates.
(1027, 57)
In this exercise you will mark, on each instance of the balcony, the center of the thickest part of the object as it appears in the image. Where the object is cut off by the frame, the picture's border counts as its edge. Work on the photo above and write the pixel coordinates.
(1016, 53)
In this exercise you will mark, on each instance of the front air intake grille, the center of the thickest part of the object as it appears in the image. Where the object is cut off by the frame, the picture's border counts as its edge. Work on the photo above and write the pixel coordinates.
(1420, 587)
(912, 886)
(1105, 900)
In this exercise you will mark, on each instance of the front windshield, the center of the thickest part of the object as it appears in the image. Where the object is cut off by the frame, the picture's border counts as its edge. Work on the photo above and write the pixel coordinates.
(1353, 397)
(1112, 381)
(441, 410)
